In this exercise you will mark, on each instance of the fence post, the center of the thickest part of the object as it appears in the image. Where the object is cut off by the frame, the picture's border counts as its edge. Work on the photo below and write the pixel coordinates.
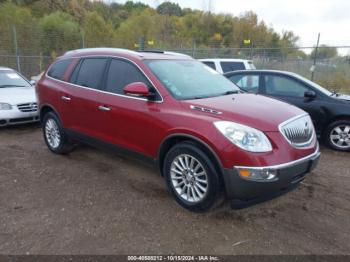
(82, 39)
(16, 48)
(315, 58)
(141, 43)
(193, 48)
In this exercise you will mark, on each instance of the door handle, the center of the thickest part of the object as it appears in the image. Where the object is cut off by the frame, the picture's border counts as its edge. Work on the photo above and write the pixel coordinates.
(104, 108)
(65, 98)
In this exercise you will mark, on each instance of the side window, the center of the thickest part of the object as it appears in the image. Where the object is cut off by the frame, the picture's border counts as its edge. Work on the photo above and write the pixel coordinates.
(210, 64)
(249, 83)
(58, 69)
(232, 66)
(90, 72)
(283, 86)
(122, 73)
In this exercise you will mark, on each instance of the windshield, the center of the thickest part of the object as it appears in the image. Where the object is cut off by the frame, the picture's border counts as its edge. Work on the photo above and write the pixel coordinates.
(9, 78)
(190, 79)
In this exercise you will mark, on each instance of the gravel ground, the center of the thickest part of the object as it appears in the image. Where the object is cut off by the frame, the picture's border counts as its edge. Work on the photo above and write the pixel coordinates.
(93, 202)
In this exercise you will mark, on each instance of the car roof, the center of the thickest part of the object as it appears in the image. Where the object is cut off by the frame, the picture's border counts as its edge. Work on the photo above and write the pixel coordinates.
(225, 59)
(126, 53)
(6, 68)
(261, 71)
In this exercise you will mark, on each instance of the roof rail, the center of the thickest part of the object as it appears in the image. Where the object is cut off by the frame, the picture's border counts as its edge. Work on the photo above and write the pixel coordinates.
(163, 52)
(151, 51)
(101, 49)
(175, 53)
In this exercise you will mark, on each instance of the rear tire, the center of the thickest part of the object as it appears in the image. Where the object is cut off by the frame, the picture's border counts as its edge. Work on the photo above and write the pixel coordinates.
(191, 177)
(337, 135)
(55, 137)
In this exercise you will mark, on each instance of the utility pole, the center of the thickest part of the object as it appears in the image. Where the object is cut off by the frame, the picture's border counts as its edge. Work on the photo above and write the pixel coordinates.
(313, 68)
(16, 48)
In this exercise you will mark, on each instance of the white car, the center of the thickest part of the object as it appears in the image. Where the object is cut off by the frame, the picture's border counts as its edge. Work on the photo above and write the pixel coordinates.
(224, 65)
(18, 103)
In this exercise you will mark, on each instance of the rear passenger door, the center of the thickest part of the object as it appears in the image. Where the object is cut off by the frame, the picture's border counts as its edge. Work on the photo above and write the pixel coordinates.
(81, 97)
(129, 121)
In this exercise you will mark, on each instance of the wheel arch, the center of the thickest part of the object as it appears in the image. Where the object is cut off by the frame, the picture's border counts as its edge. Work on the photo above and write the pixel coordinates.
(174, 139)
(46, 108)
(332, 120)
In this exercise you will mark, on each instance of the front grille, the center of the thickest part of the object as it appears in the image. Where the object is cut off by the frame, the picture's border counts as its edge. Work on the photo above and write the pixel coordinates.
(298, 131)
(28, 107)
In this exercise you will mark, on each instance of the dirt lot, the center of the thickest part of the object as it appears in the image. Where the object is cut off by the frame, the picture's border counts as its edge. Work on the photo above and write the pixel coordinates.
(92, 202)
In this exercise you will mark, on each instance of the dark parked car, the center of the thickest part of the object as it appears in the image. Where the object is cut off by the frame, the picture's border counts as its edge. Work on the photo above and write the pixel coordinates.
(329, 111)
(206, 137)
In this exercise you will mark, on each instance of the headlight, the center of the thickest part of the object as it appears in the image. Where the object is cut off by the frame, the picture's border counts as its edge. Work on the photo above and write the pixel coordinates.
(5, 106)
(245, 137)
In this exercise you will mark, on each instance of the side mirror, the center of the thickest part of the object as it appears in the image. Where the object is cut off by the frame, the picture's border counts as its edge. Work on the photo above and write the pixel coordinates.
(138, 89)
(310, 94)
(32, 82)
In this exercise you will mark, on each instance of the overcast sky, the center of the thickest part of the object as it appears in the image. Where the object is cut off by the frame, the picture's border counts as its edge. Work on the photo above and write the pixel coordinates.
(304, 17)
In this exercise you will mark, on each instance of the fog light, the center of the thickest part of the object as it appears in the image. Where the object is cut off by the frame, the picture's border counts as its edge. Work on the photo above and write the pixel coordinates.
(261, 175)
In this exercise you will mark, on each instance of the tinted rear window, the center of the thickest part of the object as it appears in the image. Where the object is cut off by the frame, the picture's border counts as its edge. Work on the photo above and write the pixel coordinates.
(58, 69)
(91, 71)
(232, 66)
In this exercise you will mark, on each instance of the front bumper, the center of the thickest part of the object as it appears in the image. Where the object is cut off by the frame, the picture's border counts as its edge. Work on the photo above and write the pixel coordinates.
(244, 192)
(15, 116)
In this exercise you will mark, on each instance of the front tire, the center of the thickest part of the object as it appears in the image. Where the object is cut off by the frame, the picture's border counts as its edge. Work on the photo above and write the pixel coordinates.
(191, 177)
(337, 135)
(55, 138)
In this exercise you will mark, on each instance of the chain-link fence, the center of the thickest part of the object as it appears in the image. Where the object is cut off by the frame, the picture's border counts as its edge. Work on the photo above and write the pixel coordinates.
(330, 66)
(30, 51)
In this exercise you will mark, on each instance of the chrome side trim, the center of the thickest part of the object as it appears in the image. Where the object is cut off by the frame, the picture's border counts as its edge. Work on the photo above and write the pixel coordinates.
(305, 144)
(105, 92)
(284, 165)
(205, 110)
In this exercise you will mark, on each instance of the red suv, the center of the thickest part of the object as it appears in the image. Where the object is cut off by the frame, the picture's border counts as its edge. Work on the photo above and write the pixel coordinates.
(207, 138)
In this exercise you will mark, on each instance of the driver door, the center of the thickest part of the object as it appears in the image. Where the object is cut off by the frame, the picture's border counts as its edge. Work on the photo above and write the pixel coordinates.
(293, 91)
(128, 121)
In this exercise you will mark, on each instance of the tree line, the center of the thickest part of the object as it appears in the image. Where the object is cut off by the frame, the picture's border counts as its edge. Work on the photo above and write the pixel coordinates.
(51, 27)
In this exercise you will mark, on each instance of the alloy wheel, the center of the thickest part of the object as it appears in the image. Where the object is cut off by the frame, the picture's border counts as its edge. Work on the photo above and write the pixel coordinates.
(52, 133)
(340, 136)
(189, 178)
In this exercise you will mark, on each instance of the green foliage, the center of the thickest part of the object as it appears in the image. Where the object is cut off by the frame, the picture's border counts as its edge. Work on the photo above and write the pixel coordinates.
(68, 24)
(169, 8)
(19, 20)
(325, 52)
(97, 31)
(122, 25)
(60, 33)
(136, 26)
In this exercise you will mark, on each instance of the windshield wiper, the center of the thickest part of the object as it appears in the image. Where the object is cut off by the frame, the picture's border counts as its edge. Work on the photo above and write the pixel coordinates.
(230, 92)
(11, 86)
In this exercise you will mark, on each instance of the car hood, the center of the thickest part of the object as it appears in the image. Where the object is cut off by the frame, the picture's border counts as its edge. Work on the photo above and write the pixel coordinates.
(17, 95)
(253, 110)
(343, 97)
